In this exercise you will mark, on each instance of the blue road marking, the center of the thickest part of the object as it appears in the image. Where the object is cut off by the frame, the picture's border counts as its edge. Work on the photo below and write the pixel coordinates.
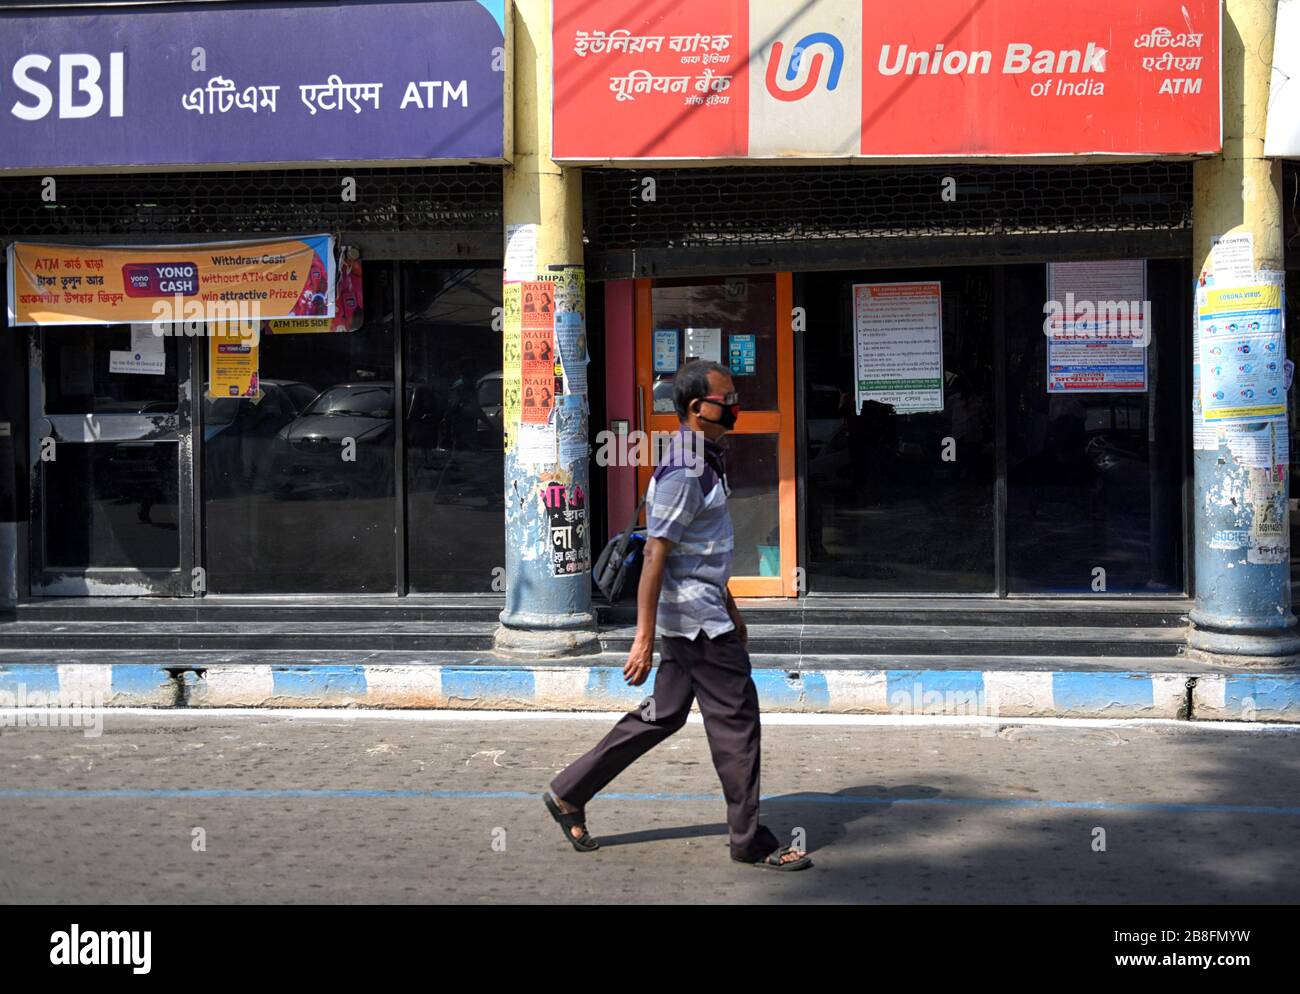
(844, 800)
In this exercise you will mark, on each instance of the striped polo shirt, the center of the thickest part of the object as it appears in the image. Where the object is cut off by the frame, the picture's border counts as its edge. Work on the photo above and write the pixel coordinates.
(686, 504)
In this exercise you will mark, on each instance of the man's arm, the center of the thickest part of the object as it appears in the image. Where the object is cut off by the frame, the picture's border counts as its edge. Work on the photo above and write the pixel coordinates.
(640, 659)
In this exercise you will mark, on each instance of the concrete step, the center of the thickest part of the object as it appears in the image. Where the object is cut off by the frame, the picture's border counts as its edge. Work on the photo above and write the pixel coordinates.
(315, 633)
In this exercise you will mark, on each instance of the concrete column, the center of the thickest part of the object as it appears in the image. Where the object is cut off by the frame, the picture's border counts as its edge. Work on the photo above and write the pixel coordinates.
(1243, 612)
(546, 615)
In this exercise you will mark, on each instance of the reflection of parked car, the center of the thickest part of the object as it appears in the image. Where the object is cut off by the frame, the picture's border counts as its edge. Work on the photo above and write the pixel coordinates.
(490, 405)
(239, 432)
(308, 458)
(140, 471)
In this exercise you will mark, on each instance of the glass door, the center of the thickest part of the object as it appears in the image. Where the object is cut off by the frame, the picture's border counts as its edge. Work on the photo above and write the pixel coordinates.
(112, 479)
(745, 323)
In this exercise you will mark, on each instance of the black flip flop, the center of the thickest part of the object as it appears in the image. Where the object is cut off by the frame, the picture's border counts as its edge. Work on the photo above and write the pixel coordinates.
(773, 861)
(584, 842)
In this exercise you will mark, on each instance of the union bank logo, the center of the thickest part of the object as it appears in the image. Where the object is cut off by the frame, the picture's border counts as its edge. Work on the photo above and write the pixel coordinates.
(821, 41)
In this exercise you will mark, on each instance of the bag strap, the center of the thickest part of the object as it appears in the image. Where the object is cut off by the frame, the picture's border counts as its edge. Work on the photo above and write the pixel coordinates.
(626, 537)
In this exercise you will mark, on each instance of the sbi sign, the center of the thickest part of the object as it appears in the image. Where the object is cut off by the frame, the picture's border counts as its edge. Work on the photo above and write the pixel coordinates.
(71, 86)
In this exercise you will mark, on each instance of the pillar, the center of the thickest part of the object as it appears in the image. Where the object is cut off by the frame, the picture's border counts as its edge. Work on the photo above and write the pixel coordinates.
(1242, 614)
(548, 610)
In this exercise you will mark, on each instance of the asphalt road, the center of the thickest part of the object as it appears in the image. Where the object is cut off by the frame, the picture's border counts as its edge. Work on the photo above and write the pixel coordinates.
(325, 807)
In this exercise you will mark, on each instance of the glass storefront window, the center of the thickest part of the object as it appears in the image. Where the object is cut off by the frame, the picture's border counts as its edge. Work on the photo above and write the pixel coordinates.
(454, 458)
(300, 493)
(1094, 480)
(900, 503)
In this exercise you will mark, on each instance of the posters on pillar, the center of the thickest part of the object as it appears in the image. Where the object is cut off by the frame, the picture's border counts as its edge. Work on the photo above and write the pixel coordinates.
(511, 363)
(1242, 353)
(535, 444)
(570, 291)
(1097, 327)
(521, 253)
(704, 343)
(570, 545)
(898, 346)
(1269, 542)
(571, 334)
(1259, 444)
(537, 316)
(571, 427)
(232, 366)
(1232, 260)
(570, 288)
(1205, 436)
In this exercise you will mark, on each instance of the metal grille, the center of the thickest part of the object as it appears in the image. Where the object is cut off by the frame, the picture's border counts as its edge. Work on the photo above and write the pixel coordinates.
(437, 200)
(748, 207)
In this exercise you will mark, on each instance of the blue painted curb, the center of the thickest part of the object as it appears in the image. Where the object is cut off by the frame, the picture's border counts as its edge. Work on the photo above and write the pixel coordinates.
(989, 693)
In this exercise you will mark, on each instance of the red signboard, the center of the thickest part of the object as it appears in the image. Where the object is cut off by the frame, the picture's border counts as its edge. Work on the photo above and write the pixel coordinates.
(838, 78)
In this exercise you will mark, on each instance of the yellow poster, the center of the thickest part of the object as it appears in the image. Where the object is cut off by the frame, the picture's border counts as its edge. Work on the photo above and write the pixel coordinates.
(217, 282)
(232, 365)
(511, 361)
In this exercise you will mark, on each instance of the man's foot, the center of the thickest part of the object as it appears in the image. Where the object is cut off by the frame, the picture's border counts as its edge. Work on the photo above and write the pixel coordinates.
(785, 858)
(571, 822)
(577, 830)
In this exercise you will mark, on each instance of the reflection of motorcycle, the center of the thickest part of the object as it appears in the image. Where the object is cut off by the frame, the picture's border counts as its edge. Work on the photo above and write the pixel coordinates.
(1118, 460)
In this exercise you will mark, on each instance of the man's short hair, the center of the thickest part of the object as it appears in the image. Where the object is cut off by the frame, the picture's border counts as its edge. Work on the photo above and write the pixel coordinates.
(691, 383)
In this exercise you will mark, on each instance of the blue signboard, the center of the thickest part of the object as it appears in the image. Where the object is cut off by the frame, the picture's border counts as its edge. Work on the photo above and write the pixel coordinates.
(253, 84)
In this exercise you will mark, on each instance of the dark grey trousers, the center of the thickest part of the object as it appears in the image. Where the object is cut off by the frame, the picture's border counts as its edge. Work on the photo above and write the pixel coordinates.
(716, 672)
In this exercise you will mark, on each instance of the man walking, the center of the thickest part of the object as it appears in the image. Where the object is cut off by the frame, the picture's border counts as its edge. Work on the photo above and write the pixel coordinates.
(683, 597)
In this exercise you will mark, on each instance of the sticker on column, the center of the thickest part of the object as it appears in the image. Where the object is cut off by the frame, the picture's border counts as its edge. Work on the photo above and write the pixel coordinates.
(1269, 542)
(1242, 353)
(566, 509)
(535, 444)
(539, 360)
(571, 427)
(570, 289)
(1232, 260)
(521, 253)
(571, 335)
(1205, 436)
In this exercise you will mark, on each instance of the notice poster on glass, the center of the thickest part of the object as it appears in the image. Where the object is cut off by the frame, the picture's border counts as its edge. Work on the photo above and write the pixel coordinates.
(1098, 326)
(898, 346)
(665, 349)
(232, 365)
(704, 343)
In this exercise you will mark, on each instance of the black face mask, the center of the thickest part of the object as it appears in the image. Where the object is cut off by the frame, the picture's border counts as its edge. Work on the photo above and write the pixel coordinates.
(728, 419)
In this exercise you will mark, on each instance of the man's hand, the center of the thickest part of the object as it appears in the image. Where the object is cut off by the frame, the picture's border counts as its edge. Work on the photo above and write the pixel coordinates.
(639, 661)
(741, 630)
